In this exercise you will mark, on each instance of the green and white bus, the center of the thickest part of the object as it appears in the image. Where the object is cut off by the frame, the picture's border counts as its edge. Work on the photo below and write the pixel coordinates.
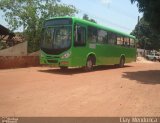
(73, 42)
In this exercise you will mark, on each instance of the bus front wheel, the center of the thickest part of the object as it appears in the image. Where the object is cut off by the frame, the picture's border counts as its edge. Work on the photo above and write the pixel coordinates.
(89, 64)
(122, 62)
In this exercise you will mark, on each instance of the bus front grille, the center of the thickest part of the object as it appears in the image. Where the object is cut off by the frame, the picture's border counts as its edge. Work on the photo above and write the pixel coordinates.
(52, 61)
(52, 57)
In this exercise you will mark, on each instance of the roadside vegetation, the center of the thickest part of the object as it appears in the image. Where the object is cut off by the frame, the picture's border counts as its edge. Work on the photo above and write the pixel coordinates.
(148, 29)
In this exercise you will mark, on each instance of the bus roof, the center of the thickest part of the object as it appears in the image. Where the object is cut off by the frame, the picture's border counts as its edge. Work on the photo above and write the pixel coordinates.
(96, 25)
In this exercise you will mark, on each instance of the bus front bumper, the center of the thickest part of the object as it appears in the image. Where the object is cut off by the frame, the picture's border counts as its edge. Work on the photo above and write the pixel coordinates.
(55, 62)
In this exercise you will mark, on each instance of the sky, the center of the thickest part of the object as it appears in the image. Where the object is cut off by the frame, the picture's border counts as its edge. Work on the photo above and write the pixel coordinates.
(117, 14)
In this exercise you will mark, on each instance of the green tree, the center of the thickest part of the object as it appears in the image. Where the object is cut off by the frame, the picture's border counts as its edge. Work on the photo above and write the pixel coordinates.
(85, 17)
(147, 37)
(151, 10)
(30, 14)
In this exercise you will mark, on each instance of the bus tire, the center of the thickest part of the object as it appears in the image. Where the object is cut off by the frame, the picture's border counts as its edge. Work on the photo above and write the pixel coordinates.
(122, 62)
(63, 67)
(147, 58)
(154, 59)
(89, 64)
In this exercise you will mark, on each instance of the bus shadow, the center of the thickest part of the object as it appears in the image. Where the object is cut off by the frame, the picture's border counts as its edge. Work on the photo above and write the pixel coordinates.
(72, 71)
(144, 77)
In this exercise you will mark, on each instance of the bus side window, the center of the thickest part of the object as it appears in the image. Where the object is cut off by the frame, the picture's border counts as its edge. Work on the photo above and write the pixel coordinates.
(126, 42)
(80, 36)
(92, 34)
(120, 41)
(112, 38)
(102, 36)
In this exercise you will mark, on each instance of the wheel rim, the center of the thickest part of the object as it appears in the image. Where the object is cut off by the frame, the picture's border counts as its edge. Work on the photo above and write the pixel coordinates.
(89, 64)
(122, 63)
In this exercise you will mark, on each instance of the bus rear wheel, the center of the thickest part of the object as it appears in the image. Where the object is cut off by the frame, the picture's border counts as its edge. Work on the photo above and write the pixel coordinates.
(89, 64)
(122, 62)
(154, 59)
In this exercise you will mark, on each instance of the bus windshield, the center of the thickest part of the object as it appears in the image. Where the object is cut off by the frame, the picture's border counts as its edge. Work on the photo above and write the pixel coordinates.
(58, 37)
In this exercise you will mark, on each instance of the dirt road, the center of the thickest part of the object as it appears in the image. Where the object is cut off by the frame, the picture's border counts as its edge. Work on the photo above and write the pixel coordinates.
(107, 91)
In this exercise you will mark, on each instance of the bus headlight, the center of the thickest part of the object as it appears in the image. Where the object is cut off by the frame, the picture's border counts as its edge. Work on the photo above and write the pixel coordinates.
(66, 55)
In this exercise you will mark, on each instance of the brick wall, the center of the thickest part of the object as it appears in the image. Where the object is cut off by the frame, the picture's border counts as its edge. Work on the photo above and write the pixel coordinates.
(18, 61)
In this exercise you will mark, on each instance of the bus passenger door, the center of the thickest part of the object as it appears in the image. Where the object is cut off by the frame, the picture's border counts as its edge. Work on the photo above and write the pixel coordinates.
(79, 49)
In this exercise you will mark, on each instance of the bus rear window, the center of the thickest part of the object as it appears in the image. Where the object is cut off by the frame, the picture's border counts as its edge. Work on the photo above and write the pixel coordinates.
(132, 43)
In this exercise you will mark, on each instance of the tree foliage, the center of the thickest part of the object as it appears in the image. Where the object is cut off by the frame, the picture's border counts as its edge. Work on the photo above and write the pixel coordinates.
(86, 17)
(147, 37)
(30, 14)
(151, 10)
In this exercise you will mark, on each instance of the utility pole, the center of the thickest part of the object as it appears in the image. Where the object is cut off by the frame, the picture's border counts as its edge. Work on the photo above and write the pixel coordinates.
(138, 30)
(139, 36)
(138, 20)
